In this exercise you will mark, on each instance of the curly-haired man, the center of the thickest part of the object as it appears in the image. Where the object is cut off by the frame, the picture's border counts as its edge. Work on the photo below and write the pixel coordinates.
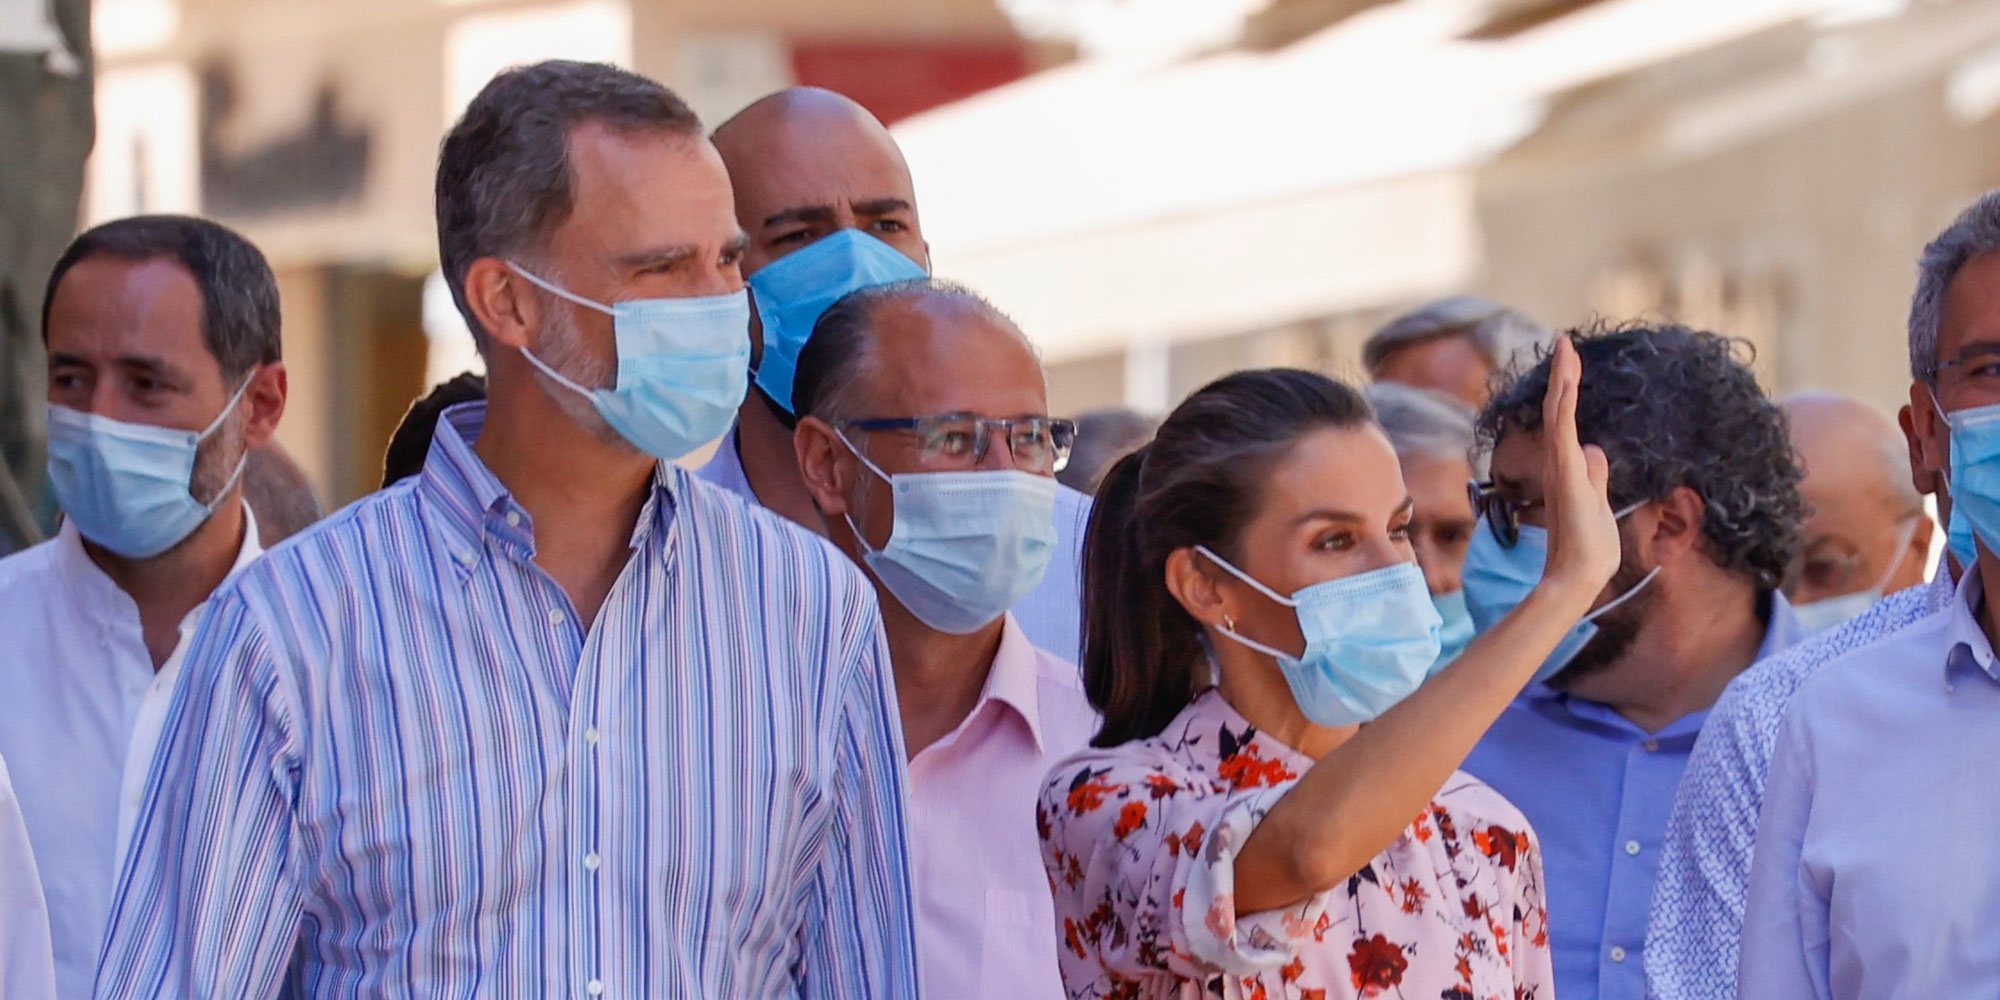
(1706, 484)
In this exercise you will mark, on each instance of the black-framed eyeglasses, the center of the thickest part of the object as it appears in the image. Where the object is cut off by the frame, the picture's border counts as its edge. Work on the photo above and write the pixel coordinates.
(1500, 511)
(960, 440)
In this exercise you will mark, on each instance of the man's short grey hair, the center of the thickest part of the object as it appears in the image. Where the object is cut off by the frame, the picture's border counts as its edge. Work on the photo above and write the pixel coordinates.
(1975, 232)
(833, 364)
(504, 177)
(1506, 338)
(1423, 424)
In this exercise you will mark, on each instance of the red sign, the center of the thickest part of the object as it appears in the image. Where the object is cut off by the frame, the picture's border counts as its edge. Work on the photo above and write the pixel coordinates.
(897, 80)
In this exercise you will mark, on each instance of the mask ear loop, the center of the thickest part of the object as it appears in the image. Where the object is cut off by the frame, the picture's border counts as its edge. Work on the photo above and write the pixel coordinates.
(1228, 626)
(562, 293)
(1903, 540)
(848, 516)
(1644, 581)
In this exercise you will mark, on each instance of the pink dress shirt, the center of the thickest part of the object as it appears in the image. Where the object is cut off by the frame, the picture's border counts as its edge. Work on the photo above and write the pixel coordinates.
(1141, 839)
(985, 925)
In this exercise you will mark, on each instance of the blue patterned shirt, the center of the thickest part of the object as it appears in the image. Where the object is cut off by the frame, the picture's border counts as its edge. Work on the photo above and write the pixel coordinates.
(1597, 789)
(1697, 919)
(397, 765)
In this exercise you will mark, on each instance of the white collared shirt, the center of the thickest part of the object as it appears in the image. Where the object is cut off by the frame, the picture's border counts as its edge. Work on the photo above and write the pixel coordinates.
(79, 698)
(26, 972)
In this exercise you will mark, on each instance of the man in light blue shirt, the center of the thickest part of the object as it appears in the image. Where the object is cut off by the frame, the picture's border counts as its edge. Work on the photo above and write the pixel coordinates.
(1703, 474)
(1873, 873)
(810, 169)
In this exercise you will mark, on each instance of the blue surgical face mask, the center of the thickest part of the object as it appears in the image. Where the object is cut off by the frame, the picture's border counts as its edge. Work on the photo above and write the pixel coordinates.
(683, 367)
(1958, 540)
(1456, 632)
(1975, 472)
(1826, 613)
(964, 546)
(1498, 579)
(1371, 639)
(128, 487)
(794, 291)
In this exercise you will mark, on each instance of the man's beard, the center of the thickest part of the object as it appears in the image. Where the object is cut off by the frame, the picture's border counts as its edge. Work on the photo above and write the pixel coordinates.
(1617, 630)
(562, 350)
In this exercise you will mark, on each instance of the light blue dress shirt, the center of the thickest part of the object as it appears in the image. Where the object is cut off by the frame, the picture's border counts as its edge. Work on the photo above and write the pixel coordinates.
(1597, 789)
(398, 765)
(1051, 614)
(1876, 876)
(1697, 923)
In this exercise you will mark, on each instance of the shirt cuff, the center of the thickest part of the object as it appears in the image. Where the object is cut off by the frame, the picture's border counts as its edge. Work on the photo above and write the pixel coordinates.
(1214, 933)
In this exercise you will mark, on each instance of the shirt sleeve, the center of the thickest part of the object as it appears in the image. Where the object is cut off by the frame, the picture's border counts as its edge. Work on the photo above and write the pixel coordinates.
(207, 902)
(27, 961)
(1143, 871)
(1785, 943)
(860, 934)
(1534, 964)
(1697, 915)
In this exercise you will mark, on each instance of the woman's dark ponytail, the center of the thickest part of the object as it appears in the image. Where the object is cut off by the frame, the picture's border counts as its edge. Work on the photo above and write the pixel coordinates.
(1195, 483)
(1126, 633)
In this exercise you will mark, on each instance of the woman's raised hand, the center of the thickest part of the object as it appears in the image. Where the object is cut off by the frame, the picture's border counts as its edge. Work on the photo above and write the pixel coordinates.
(1583, 533)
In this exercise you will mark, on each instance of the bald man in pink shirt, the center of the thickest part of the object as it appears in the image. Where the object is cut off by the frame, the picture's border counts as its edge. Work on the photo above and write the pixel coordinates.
(926, 443)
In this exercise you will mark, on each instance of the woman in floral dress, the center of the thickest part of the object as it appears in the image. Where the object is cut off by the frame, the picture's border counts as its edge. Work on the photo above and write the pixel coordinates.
(1272, 809)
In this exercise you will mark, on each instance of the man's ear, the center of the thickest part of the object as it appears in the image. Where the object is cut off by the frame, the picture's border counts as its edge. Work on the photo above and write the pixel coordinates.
(265, 402)
(1930, 439)
(823, 465)
(502, 301)
(1677, 526)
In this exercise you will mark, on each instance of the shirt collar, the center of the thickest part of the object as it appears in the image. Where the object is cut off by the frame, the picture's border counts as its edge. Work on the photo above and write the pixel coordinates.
(1965, 641)
(96, 592)
(476, 507)
(1015, 678)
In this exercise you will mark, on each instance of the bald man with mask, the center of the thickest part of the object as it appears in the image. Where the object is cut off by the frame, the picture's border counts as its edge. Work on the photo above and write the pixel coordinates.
(1866, 534)
(828, 204)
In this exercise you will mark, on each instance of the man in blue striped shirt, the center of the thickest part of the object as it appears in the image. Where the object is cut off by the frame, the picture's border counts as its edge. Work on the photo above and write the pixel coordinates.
(550, 717)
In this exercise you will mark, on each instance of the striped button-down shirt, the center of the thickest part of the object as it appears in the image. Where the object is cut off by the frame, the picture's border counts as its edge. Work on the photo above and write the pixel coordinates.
(397, 765)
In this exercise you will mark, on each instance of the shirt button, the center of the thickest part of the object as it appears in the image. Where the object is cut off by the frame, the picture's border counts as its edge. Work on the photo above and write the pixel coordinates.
(555, 617)
(590, 736)
(591, 861)
(514, 521)
(1632, 848)
(1652, 746)
(1617, 954)
(595, 987)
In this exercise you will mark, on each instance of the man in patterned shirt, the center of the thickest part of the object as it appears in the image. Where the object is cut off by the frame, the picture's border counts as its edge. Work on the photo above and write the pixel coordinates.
(1696, 928)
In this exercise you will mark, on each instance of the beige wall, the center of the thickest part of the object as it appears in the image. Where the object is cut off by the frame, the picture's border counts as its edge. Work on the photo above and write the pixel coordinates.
(1827, 216)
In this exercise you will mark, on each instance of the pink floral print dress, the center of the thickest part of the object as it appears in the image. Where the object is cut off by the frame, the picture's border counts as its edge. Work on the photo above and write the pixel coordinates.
(1140, 842)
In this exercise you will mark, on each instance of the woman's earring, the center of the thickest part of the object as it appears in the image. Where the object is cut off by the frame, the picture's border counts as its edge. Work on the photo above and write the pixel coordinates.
(1229, 623)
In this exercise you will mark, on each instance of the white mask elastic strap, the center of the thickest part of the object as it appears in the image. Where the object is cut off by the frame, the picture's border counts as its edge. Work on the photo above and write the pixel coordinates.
(1903, 541)
(241, 464)
(558, 377)
(560, 292)
(1246, 578)
(1622, 598)
(227, 409)
(1244, 640)
(872, 467)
